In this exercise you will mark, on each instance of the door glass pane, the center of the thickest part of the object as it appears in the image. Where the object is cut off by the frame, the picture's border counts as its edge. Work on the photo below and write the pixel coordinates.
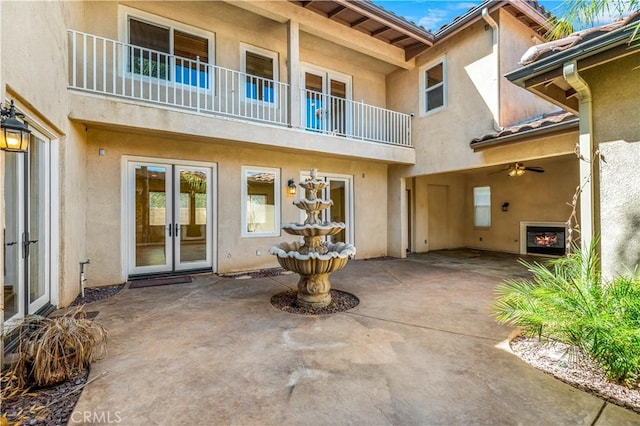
(314, 101)
(338, 211)
(151, 214)
(38, 196)
(11, 235)
(193, 215)
(338, 107)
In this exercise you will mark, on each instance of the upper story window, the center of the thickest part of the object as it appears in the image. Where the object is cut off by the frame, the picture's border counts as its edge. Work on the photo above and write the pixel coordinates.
(168, 51)
(482, 206)
(433, 87)
(260, 201)
(261, 67)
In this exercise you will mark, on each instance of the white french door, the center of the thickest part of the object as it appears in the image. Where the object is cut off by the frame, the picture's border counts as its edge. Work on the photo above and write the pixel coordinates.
(340, 191)
(326, 107)
(26, 235)
(170, 216)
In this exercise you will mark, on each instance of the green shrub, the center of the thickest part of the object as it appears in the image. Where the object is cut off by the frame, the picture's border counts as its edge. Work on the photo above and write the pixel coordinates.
(567, 301)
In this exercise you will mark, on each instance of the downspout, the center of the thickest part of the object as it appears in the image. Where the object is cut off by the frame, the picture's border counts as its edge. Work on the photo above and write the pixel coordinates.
(587, 164)
(496, 53)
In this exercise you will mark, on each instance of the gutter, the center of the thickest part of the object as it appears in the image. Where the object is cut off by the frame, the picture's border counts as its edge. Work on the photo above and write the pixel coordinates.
(496, 52)
(577, 52)
(586, 152)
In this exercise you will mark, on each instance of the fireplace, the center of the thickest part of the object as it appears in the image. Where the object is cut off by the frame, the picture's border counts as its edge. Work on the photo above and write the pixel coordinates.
(543, 238)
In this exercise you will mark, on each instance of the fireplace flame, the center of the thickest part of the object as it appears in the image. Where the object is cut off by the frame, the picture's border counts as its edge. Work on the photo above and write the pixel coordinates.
(546, 240)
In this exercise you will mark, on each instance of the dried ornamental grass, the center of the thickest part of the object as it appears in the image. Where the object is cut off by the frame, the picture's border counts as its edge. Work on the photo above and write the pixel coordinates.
(59, 347)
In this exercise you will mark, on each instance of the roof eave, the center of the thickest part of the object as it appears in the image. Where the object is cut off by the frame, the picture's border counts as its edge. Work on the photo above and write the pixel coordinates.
(559, 128)
(577, 52)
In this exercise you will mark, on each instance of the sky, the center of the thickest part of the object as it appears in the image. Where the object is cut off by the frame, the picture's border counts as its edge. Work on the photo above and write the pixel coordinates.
(432, 14)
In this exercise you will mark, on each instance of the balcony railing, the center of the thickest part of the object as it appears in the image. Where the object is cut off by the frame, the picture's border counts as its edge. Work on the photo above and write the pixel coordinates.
(343, 117)
(105, 66)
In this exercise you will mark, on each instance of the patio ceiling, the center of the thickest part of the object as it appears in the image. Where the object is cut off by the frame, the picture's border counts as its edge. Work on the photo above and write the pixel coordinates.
(376, 22)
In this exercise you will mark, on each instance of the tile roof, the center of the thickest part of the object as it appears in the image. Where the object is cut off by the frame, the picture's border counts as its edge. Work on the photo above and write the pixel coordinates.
(486, 3)
(539, 51)
(536, 126)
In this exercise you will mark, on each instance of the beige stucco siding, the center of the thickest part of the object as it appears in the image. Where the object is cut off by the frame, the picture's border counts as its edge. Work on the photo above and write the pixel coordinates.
(234, 253)
(34, 74)
(517, 104)
(533, 197)
(615, 89)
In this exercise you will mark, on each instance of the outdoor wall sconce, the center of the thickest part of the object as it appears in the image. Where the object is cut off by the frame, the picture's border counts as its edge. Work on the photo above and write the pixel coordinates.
(15, 134)
(291, 187)
(505, 206)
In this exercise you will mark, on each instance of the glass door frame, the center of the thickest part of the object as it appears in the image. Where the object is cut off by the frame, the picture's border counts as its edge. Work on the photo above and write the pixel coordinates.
(349, 201)
(128, 215)
(327, 76)
(179, 265)
(48, 213)
(44, 238)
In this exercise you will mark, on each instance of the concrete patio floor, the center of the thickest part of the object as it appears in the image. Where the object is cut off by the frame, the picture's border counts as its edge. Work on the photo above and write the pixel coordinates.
(421, 348)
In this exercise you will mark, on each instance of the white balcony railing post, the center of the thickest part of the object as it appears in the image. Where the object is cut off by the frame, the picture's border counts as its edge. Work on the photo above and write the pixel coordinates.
(153, 76)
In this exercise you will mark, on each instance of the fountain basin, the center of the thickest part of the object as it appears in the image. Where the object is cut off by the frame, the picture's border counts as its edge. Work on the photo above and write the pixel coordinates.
(314, 269)
(335, 259)
(312, 205)
(327, 228)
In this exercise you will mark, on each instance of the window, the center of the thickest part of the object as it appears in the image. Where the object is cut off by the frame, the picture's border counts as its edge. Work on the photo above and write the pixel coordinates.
(482, 206)
(433, 85)
(260, 65)
(260, 201)
(166, 53)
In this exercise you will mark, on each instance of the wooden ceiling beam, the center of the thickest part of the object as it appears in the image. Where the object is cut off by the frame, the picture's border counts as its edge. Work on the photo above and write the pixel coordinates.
(379, 31)
(335, 11)
(359, 21)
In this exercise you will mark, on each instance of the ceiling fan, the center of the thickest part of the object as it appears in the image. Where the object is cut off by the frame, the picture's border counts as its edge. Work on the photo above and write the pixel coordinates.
(518, 169)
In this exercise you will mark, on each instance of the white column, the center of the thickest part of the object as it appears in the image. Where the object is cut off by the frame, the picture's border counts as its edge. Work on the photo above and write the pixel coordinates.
(293, 73)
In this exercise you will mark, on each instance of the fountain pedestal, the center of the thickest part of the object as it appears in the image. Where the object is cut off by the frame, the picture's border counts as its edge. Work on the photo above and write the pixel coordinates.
(315, 258)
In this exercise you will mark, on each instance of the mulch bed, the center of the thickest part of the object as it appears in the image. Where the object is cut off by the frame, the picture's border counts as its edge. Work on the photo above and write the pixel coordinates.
(572, 366)
(93, 294)
(50, 406)
(340, 301)
(262, 273)
(53, 405)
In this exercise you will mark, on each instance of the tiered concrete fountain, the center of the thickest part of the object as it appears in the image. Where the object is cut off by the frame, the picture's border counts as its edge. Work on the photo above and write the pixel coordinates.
(314, 258)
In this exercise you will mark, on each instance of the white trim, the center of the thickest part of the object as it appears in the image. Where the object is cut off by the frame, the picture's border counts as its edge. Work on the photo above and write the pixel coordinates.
(326, 74)
(423, 86)
(54, 237)
(349, 195)
(523, 233)
(476, 205)
(277, 194)
(126, 202)
(244, 48)
(125, 12)
(181, 266)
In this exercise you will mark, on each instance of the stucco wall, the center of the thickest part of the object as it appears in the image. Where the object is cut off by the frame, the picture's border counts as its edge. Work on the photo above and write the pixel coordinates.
(532, 197)
(518, 104)
(34, 73)
(234, 253)
(615, 91)
(233, 26)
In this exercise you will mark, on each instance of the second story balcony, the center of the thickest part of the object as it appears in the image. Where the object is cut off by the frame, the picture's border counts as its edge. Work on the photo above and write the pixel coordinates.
(108, 67)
